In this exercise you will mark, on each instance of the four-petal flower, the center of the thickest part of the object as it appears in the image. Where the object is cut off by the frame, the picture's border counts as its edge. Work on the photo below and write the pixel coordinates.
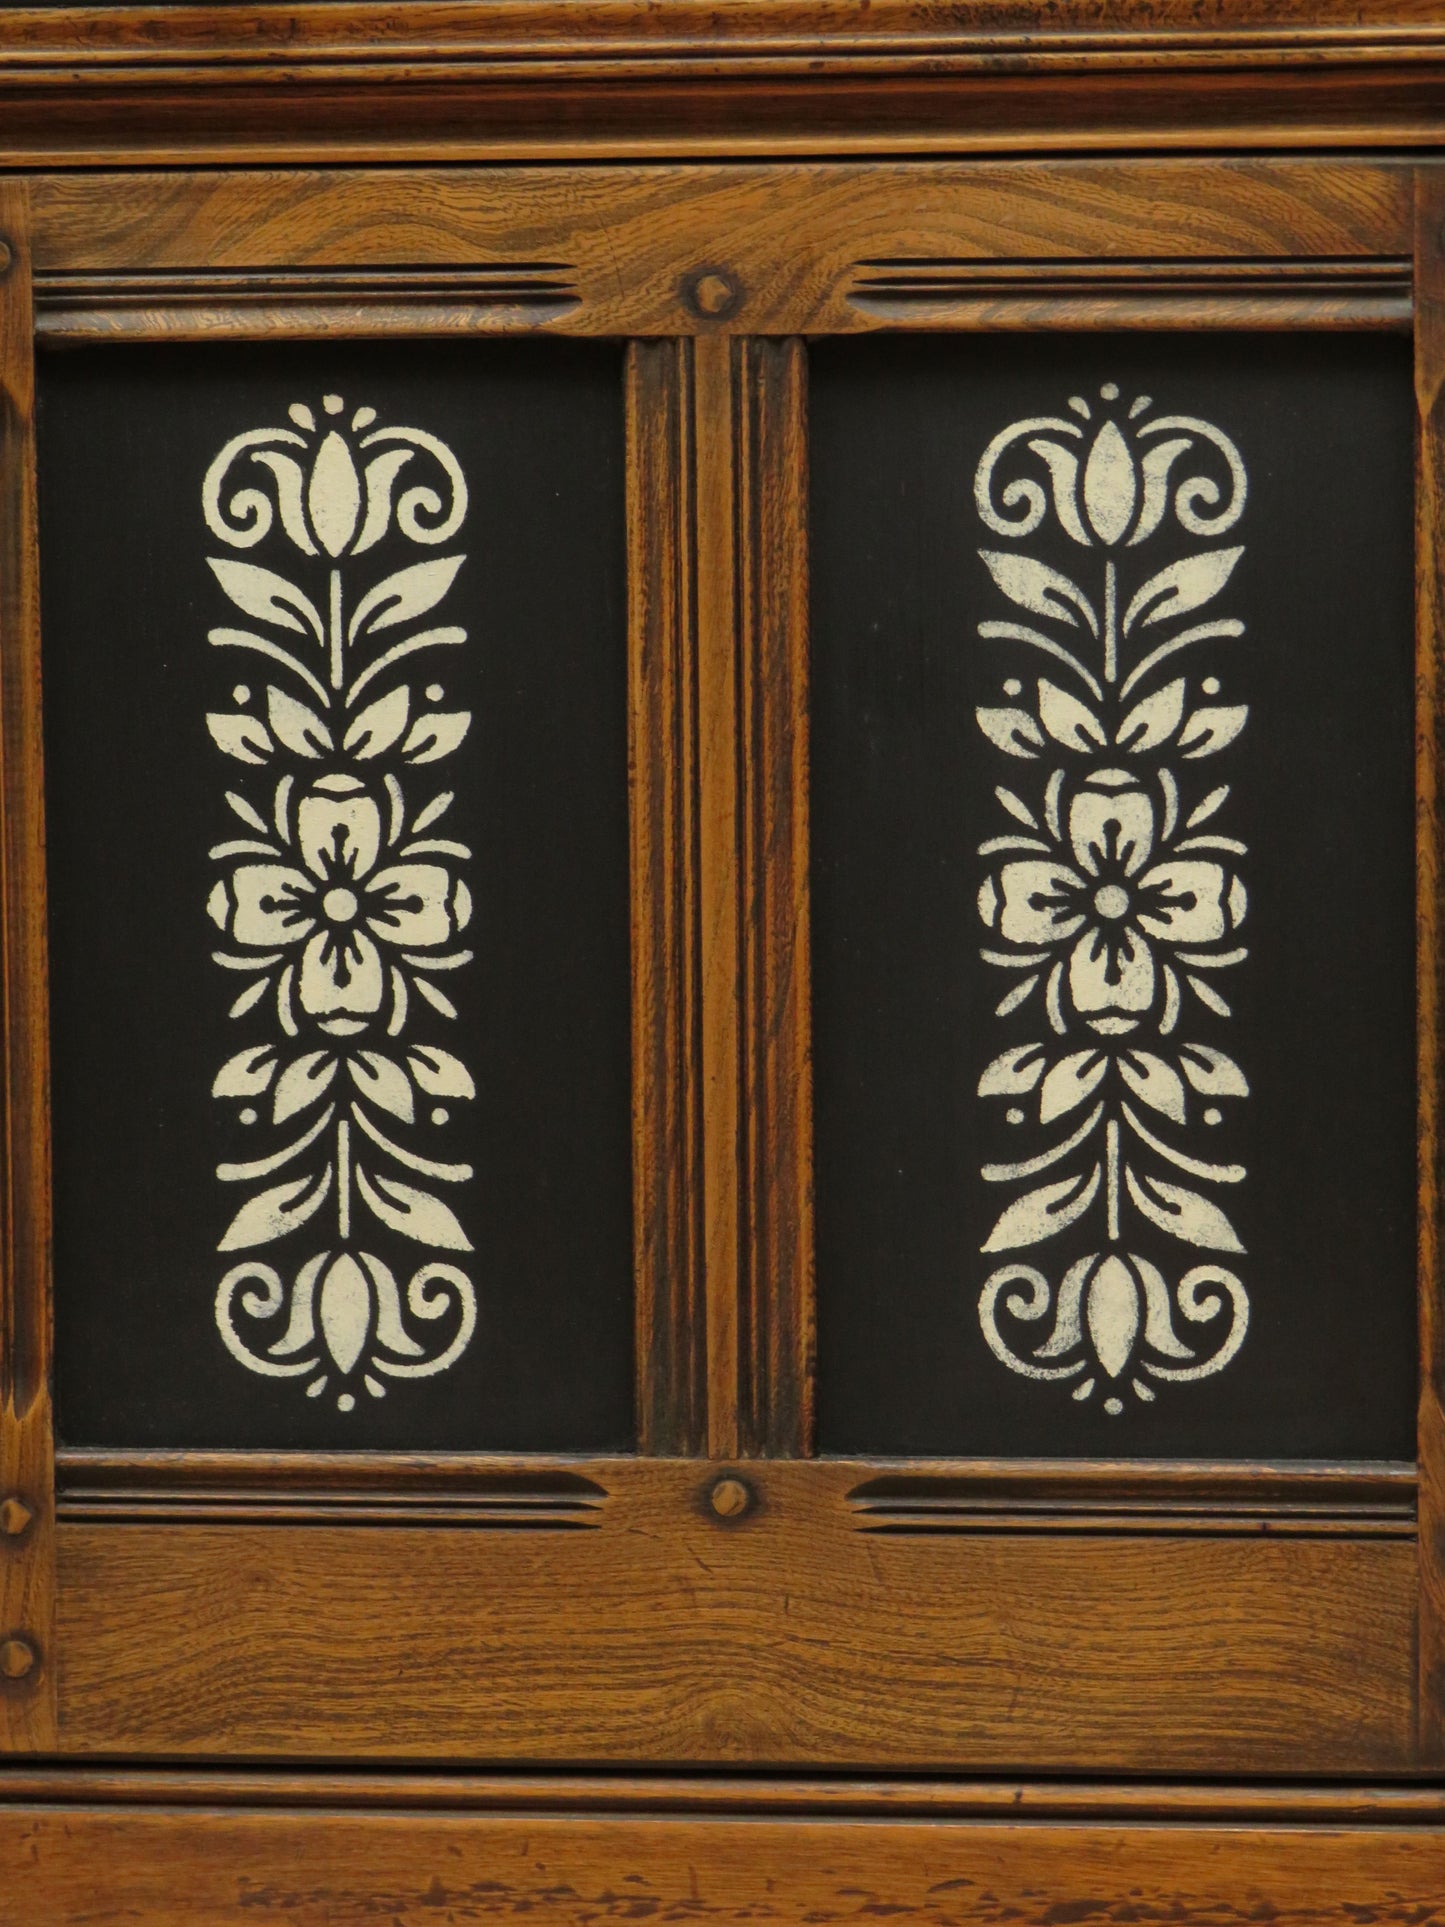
(1115, 894)
(340, 904)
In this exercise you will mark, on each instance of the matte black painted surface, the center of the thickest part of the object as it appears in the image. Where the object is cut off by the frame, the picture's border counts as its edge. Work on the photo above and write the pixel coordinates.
(904, 794)
(135, 791)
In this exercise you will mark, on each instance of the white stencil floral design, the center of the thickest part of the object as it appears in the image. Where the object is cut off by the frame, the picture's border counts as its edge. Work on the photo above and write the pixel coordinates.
(1111, 898)
(339, 903)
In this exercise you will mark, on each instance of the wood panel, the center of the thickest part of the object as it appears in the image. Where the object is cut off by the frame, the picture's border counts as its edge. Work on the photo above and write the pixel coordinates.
(593, 77)
(320, 1869)
(715, 249)
(784, 1633)
(1430, 964)
(27, 1517)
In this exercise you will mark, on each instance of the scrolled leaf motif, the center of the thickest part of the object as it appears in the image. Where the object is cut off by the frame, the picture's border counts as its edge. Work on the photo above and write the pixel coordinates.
(332, 500)
(1107, 484)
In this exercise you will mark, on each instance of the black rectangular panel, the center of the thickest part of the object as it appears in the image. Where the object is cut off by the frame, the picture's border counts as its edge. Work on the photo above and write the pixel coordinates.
(1113, 896)
(308, 767)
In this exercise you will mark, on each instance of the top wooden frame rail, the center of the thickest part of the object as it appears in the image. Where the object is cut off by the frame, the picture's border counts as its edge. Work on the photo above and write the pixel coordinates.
(561, 79)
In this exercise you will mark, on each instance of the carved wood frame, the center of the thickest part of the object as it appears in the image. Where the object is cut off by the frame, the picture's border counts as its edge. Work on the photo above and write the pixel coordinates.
(658, 1632)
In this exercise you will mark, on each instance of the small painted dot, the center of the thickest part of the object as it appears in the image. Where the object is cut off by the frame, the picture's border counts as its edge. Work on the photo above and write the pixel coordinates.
(1110, 392)
(1015, 1116)
(363, 418)
(434, 692)
(440, 1116)
(1210, 685)
(248, 1116)
(301, 415)
(346, 1403)
(1114, 1406)
(333, 405)
(241, 693)
(1013, 687)
(1214, 1115)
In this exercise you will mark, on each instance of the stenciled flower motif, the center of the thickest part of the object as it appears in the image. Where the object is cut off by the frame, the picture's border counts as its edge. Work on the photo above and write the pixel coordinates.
(1107, 487)
(1110, 896)
(353, 917)
(335, 499)
(340, 898)
(1111, 891)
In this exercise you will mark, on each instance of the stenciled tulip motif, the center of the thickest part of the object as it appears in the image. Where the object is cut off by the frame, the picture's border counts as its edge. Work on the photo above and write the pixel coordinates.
(342, 905)
(1111, 898)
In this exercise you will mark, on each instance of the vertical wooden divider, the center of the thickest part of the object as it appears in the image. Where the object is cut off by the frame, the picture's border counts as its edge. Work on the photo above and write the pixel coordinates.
(27, 1460)
(666, 999)
(776, 1293)
(1430, 965)
(722, 1091)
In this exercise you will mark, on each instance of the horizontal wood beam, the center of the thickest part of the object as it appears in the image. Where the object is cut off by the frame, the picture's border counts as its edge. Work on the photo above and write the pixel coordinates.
(281, 1868)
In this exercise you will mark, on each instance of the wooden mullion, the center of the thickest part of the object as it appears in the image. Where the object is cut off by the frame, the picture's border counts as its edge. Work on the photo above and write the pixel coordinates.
(1430, 974)
(776, 1287)
(27, 1512)
(667, 1087)
(719, 874)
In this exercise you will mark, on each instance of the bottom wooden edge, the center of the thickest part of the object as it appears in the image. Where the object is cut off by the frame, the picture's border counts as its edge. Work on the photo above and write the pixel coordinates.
(619, 1791)
(169, 1866)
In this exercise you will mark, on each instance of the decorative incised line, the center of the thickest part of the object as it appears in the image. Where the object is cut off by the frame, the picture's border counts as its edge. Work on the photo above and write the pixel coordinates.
(1112, 899)
(341, 902)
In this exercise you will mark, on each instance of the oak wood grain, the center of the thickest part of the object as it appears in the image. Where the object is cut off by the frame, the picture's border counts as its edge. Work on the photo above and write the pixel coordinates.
(719, 672)
(369, 82)
(316, 1869)
(1430, 957)
(463, 1790)
(775, 1344)
(27, 1515)
(667, 1068)
(750, 541)
(129, 255)
(783, 1637)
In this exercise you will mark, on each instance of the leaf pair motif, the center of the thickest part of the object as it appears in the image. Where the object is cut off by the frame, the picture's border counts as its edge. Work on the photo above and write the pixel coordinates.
(269, 597)
(1175, 591)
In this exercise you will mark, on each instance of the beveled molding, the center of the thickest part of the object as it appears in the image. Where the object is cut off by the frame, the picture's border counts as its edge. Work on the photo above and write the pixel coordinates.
(325, 1488)
(1343, 292)
(790, 1855)
(1104, 1498)
(200, 306)
(466, 1790)
(168, 84)
(907, 292)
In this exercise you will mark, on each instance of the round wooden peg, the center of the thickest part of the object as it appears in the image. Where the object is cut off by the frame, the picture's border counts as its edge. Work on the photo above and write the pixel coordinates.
(712, 293)
(17, 1656)
(15, 1516)
(7, 255)
(730, 1498)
